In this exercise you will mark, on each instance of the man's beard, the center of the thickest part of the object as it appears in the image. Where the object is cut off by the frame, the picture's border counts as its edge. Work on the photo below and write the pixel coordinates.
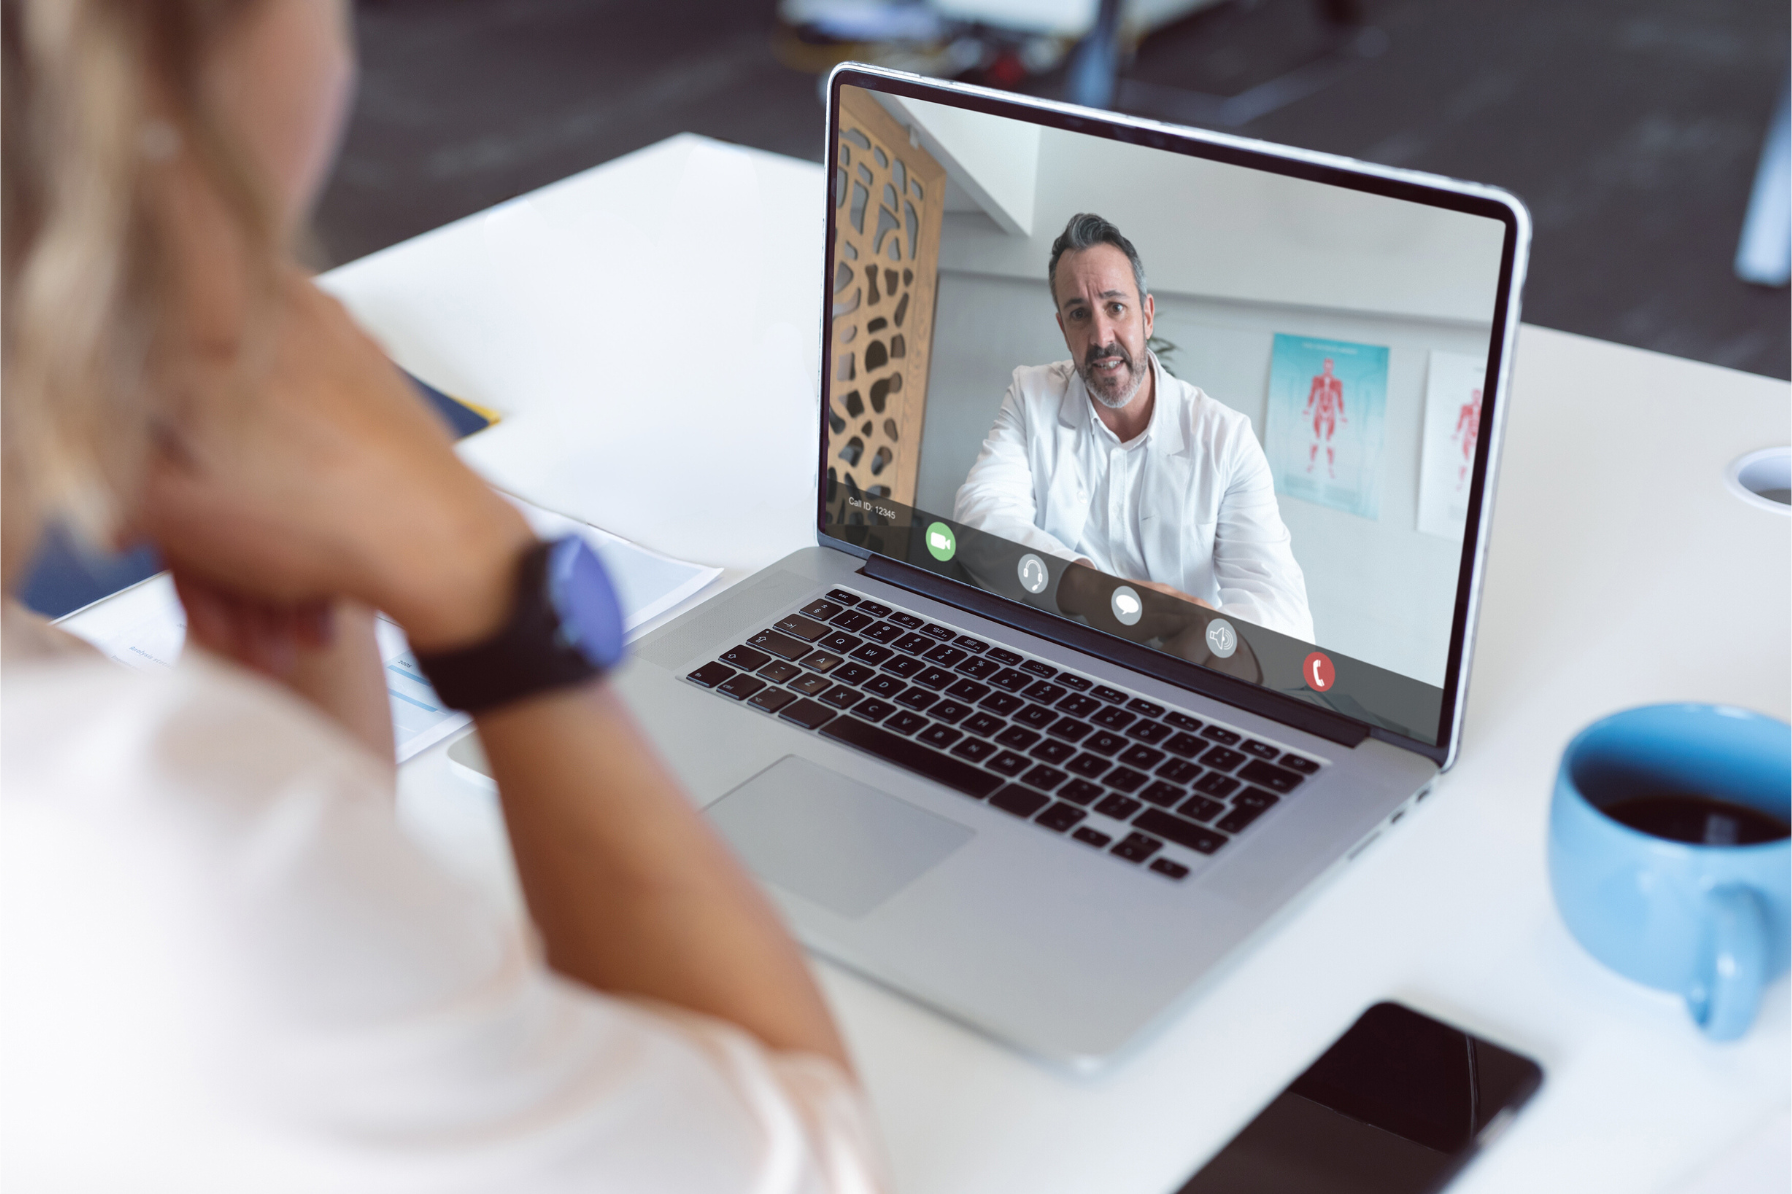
(1102, 352)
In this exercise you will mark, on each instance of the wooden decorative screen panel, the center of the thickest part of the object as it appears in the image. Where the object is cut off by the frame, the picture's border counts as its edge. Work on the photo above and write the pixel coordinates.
(888, 198)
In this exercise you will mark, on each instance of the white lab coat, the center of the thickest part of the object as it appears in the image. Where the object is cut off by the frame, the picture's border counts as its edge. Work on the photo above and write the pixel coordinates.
(1209, 524)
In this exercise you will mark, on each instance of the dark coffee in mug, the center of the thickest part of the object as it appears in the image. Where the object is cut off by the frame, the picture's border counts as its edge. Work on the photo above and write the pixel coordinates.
(1695, 819)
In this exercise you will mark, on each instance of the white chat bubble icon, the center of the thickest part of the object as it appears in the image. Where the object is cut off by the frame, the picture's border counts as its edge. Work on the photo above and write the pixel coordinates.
(1127, 607)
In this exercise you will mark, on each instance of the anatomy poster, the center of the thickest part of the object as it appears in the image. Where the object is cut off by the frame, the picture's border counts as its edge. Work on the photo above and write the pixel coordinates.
(1447, 458)
(1326, 402)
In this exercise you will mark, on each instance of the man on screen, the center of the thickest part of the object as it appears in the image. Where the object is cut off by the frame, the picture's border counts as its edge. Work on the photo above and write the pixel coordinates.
(1107, 460)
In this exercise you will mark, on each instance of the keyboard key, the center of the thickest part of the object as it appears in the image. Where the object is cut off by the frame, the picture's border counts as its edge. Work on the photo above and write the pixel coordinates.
(950, 711)
(1179, 771)
(1165, 866)
(887, 686)
(1080, 791)
(1221, 735)
(903, 666)
(1183, 833)
(1053, 751)
(1022, 802)
(975, 749)
(842, 697)
(1254, 798)
(1060, 817)
(1104, 743)
(1018, 737)
(1182, 721)
(1045, 693)
(841, 641)
(979, 669)
(1118, 807)
(1007, 762)
(1236, 820)
(968, 690)
(771, 699)
(781, 645)
(746, 658)
(1184, 745)
(882, 632)
(983, 724)
(939, 632)
(740, 687)
(854, 673)
(1078, 705)
(1002, 655)
(1114, 719)
(913, 643)
(1136, 848)
(917, 699)
(1036, 716)
(822, 661)
(905, 722)
(797, 626)
(872, 653)
(1215, 784)
(947, 655)
(1011, 680)
(1142, 757)
(1296, 763)
(807, 714)
(1162, 794)
(1222, 758)
(779, 671)
(907, 621)
(1001, 702)
(1043, 670)
(1044, 778)
(1145, 708)
(934, 677)
(1273, 778)
(910, 754)
(822, 609)
(1088, 765)
(875, 608)
(940, 736)
(975, 646)
(710, 674)
(873, 709)
(1109, 694)
(809, 683)
(1070, 680)
(843, 597)
(1149, 731)
(1092, 837)
(1124, 779)
(1200, 808)
(1069, 729)
(852, 620)
(1262, 750)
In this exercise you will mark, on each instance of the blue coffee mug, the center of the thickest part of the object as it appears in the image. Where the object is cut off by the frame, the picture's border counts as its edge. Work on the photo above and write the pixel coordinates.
(1709, 922)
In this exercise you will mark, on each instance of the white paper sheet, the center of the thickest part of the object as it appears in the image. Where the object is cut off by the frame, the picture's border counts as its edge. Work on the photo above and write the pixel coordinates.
(144, 626)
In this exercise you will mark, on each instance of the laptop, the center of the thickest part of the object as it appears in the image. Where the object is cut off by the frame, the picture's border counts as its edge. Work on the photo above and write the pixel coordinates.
(1060, 709)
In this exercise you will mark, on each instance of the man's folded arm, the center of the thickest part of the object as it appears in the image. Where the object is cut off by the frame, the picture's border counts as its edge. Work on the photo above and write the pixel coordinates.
(998, 496)
(1253, 554)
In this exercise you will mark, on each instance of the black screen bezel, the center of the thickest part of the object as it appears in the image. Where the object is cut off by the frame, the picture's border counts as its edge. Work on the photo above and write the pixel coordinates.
(1258, 156)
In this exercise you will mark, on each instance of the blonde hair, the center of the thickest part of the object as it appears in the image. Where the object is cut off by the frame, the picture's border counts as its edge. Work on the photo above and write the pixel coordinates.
(94, 94)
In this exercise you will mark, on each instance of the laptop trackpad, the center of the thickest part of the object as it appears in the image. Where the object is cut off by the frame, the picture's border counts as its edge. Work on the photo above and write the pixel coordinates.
(835, 841)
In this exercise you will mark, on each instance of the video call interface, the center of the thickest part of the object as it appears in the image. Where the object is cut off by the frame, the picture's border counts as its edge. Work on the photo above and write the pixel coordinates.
(1224, 413)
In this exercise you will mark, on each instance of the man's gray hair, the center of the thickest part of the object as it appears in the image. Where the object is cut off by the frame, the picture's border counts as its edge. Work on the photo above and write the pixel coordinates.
(1085, 231)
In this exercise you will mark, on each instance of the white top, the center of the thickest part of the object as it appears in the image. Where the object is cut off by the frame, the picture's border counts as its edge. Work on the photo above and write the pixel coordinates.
(225, 968)
(1195, 505)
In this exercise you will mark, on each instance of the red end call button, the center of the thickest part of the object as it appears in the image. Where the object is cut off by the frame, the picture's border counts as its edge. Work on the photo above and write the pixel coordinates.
(1318, 672)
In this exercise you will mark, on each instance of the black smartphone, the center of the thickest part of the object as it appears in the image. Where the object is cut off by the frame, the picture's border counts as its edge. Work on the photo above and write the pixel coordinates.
(1397, 1105)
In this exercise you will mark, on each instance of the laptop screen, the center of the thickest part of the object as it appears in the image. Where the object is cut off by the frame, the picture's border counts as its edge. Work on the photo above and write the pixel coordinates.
(1225, 404)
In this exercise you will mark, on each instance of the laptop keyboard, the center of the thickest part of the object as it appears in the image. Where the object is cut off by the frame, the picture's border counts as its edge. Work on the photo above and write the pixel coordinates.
(1105, 768)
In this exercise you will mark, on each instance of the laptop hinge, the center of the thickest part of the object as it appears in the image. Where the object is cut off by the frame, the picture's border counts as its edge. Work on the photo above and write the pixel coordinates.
(1322, 723)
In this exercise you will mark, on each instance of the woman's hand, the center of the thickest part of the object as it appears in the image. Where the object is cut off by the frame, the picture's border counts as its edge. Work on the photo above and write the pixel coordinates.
(317, 473)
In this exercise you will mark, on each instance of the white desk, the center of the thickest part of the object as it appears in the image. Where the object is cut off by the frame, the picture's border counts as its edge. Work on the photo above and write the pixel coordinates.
(1622, 572)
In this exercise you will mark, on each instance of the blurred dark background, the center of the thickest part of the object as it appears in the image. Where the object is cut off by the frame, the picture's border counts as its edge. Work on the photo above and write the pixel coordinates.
(1630, 127)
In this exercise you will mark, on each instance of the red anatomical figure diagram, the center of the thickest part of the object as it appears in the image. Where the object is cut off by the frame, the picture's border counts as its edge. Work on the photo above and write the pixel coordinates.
(1325, 402)
(1468, 429)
